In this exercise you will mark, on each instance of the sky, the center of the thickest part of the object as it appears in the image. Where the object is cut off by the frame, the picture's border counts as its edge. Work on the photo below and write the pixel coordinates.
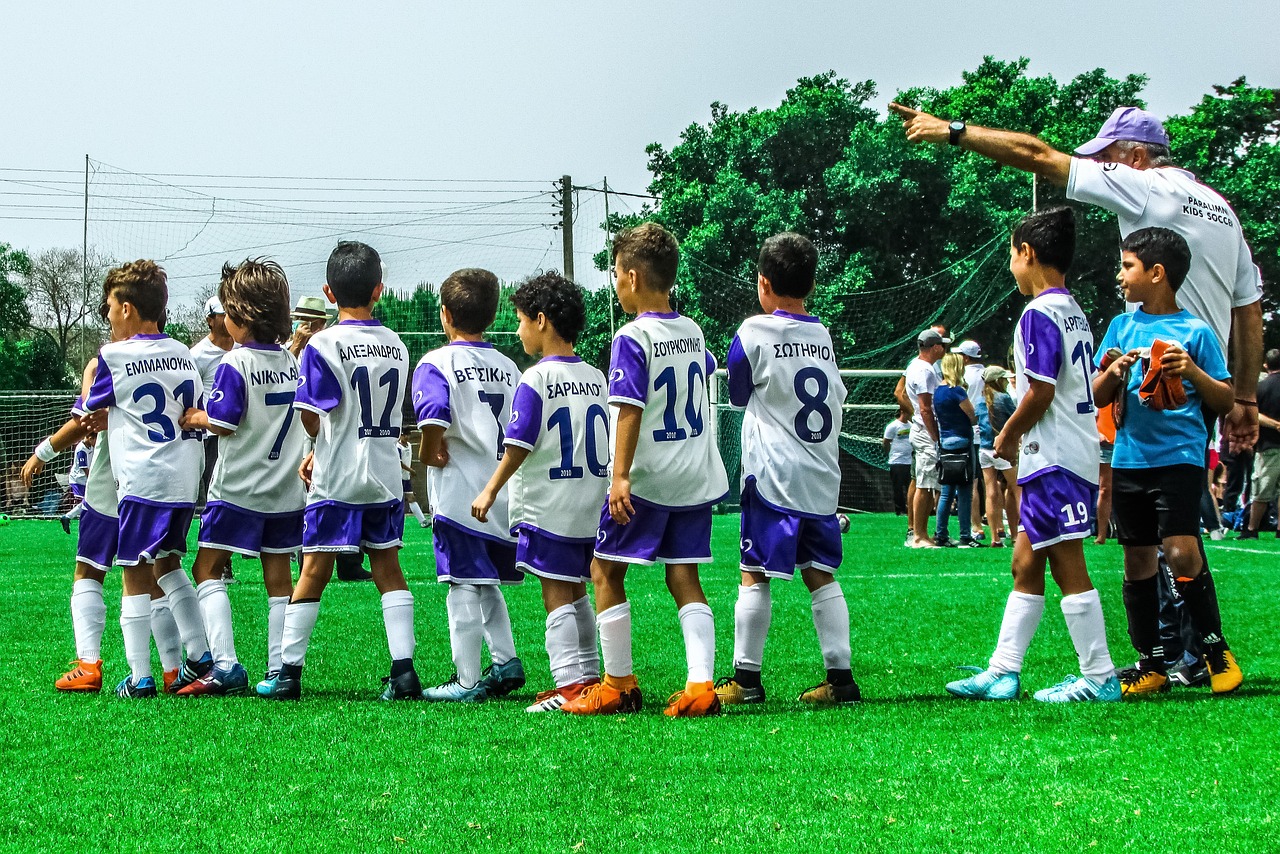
(512, 94)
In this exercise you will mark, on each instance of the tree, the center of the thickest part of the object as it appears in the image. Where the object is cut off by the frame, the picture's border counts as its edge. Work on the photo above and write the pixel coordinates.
(15, 317)
(61, 298)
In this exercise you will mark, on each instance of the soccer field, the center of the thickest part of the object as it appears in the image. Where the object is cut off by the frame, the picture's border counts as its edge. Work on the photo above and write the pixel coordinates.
(908, 769)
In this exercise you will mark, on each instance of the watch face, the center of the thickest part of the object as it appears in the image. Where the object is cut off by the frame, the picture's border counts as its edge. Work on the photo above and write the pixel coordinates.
(957, 126)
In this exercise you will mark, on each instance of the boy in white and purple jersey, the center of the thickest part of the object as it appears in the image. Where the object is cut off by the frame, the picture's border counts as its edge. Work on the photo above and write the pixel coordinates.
(1057, 470)
(462, 395)
(146, 381)
(667, 474)
(77, 476)
(350, 387)
(557, 462)
(782, 371)
(255, 497)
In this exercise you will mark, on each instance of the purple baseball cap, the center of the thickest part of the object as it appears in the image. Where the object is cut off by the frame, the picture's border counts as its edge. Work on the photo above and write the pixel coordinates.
(1127, 123)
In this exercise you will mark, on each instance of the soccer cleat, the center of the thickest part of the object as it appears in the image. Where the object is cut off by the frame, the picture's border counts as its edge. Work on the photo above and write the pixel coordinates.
(265, 684)
(66, 524)
(130, 690)
(280, 687)
(1134, 681)
(550, 701)
(683, 704)
(83, 676)
(986, 685)
(499, 680)
(613, 696)
(969, 543)
(190, 672)
(1080, 689)
(733, 693)
(218, 683)
(403, 687)
(826, 694)
(1246, 534)
(1190, 674)
(453, 692)
(1225, 676)
(168, 678)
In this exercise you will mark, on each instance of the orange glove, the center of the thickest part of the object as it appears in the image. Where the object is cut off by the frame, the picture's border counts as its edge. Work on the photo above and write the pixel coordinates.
(1157, 391)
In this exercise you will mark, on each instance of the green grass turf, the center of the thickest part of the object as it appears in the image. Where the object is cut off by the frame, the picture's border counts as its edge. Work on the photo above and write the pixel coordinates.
(908, 769)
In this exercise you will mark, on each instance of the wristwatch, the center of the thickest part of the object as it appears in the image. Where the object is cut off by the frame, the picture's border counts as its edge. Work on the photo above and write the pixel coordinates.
(956, 128)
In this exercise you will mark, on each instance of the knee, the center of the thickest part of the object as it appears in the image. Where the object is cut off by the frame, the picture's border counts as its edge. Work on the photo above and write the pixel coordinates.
(1185, 562)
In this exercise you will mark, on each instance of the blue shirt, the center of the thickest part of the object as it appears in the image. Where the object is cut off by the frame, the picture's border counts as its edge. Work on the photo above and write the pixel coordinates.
(1150, 438)
(987, 427)
(952, 420)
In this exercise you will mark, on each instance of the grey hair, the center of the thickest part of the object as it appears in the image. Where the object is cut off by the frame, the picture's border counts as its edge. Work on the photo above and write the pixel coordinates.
(1157, 154)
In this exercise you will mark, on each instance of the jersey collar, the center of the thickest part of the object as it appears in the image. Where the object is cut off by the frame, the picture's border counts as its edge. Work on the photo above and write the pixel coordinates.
(258, 345)
(662, 315)
(148, 336)
(483, 344)
(373, 321)
(565, 359)
(804, 318)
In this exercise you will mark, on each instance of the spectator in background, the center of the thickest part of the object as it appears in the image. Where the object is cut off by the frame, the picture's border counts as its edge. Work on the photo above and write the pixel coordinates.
(956, 418)
(998, 475)
(897, 444)
(905, 402)
(921, 380)
(1266, 462)
(973, 367)
(309, 317)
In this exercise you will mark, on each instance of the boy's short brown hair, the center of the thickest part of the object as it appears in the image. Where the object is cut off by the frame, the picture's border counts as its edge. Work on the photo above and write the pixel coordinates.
(471, 295)
(141, 283)
(653, 251)
(255, 295)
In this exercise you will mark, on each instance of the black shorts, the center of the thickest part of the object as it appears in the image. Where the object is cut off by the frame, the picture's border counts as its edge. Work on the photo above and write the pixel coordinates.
(1151, 504)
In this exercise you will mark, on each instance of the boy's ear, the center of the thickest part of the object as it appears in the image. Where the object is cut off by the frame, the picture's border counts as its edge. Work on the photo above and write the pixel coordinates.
(377, 293)
(1158, 274)
(541, 321)
(328, 294)
(765, 286)
(1026, 250)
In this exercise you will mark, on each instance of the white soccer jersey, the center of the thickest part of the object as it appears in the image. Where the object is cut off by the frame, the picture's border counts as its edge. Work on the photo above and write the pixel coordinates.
(207, 357)
(81, 459)
(782, 371)
(661, 364)
(1053, 344)
(1222, 275)
(253, 394)
(353, 375)
(467, 387)
(561, 416)
(147, 382)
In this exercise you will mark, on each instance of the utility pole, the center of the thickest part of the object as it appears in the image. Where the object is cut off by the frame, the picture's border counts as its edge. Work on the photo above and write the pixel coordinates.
(566, 223)
(84, 242)
(613, 323)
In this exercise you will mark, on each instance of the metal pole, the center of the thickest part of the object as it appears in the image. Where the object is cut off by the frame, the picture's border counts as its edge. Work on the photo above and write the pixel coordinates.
(1033, 192)
(566, 223)
(613, 323)
(84, 243)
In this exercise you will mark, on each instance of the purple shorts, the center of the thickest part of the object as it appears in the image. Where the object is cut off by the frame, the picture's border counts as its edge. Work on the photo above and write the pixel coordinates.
(465, 557)
(1057, 506)
(656, 535)
(332, 527)
(549, 556)
(98, 536)
(77, 489)
(149, 532)
(778, 543)
(234, 529)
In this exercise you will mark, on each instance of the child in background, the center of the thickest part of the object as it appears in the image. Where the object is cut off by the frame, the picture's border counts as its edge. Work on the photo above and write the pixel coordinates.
(897, 445)
(406, 473)
(998, 475)
(77, 477)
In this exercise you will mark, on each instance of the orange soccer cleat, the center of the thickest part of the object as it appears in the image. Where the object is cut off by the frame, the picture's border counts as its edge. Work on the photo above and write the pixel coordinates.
(83, 676)
(170, 676)
(695, 701)
(614, 696)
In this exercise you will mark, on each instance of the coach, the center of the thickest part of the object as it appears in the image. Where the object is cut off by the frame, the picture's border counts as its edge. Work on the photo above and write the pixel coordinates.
(1126, 169)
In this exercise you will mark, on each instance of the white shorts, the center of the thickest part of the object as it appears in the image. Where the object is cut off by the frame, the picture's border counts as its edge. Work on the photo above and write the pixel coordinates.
(988, 460)
(926, 456)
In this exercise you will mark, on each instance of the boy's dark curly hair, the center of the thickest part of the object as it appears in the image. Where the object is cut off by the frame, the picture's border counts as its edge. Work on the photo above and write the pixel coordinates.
(558, 298)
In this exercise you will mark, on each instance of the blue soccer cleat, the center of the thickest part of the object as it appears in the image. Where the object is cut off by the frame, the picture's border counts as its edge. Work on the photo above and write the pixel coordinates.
(280, 687)
(190, 672)
(453, 692)
(501, 679)
(986, 685)
(218, 683)
(130, 690)
(265, 684)
(1080, 689)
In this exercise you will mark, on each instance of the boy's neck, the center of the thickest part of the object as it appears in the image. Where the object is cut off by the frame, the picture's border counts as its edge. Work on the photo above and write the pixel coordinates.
(791, 305)
(361, 312)
(1048, 280)
(652, 302)
(1162, 303)
(131, 330)
(472, 337)
(556, 346)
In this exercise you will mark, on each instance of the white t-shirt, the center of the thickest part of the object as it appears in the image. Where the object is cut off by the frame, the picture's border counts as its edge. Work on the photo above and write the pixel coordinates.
(207, 356)
(353, 375)
(467, 387)
(782, 371)
(1223, 275)
(1053, 343)
(898, 435)
(561, 416)
(922, 378)
(660, 363)
(973, 379)
(81, 460)
(148, 382)
(253, 394)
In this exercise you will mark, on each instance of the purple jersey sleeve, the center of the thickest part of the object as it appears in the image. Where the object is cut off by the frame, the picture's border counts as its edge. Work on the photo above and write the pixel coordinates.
(711, 363)
(102, 393)
(741, 383)
(228, 399)
(526, 418)
(77, 408)
(628, 373)
(318, 386)
(1042, 341)
(431, 396)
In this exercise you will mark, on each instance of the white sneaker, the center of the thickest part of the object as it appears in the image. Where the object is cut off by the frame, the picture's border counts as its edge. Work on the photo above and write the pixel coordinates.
(1218, 534)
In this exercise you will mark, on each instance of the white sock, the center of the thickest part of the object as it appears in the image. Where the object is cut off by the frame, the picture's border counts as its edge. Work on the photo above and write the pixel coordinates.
(751, 617)
(181, 593)
(1083, 613)
(699, 630)
(1022, 613)
(74, 513)
(275, 630)
(295, 637)
(215, 612)
(831, 620)
(417, 512)
(466, 631)
(397, 616)
(614, 625)
(88, 618)
(497, 624)
(165, 632)
(135, 625)
(588, 652)
(562, 646)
